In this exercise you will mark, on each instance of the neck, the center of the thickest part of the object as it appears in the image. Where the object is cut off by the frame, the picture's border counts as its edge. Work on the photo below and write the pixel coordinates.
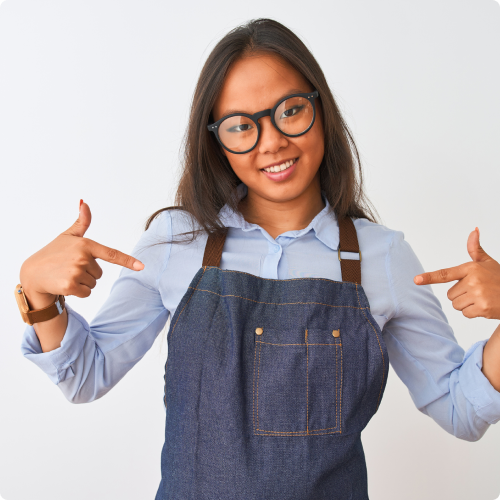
(277, 217)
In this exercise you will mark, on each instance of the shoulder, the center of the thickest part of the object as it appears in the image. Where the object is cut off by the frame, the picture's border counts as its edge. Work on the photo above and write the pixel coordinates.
(172, 221)
(182, 221)
(389, 265)
(159, 224)
(387, 248)
(378, 235)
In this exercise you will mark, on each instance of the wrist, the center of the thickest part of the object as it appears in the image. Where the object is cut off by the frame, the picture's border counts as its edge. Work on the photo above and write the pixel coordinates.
(37, 300)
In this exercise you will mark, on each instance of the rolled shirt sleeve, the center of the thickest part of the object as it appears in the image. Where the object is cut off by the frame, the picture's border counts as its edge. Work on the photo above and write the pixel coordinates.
(93, 358)
(444, 382)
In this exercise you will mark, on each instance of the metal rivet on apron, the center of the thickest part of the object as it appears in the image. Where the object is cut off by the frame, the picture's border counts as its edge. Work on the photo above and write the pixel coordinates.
(259, 331)
(336, 333)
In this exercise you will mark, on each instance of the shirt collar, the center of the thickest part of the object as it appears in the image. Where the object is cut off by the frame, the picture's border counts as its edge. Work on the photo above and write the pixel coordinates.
(324, 224)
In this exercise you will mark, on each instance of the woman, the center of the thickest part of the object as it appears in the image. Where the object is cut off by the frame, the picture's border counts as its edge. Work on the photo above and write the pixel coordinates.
(278, 353)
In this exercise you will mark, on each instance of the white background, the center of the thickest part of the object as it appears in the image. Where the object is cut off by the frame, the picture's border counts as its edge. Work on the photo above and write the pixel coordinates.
(94, 100)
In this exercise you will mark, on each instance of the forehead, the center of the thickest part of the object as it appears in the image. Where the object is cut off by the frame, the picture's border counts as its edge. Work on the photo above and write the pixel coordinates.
(256, 82)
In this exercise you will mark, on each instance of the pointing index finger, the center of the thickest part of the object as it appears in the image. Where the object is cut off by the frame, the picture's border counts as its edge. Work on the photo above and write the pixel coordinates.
(108, 254)
(441, 276)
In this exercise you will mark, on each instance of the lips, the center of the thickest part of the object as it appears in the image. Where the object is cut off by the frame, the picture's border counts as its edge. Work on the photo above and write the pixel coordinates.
(279, 163)
(283, 174)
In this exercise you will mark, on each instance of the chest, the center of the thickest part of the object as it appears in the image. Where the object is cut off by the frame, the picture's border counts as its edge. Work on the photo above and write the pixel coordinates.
(287, 258)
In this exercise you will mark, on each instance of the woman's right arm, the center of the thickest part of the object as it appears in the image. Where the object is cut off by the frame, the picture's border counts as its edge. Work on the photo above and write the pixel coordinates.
(66, 266)
(86, 361)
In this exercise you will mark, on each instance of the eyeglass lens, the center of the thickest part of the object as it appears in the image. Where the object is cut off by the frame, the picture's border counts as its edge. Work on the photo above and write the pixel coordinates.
(293, 116)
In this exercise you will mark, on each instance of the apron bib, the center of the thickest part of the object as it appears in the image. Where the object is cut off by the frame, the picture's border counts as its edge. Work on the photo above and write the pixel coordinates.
(269, 383)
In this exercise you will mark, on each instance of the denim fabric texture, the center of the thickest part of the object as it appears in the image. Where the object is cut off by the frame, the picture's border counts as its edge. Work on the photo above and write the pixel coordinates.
(275, 416)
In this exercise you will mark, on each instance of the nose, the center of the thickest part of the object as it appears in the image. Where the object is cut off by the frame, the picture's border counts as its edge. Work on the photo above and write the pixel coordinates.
(271, 139)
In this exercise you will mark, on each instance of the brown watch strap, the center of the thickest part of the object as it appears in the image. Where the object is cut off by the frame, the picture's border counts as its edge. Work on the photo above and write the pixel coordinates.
(38, 315)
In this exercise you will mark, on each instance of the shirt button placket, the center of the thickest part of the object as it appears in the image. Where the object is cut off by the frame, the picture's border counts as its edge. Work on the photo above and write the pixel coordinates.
(271, 261)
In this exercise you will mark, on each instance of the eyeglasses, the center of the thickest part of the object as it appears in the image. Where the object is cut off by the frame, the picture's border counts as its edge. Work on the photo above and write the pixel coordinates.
(293, 116)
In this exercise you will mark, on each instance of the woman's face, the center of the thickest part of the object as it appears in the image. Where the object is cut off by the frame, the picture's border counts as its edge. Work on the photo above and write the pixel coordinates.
(253, 84)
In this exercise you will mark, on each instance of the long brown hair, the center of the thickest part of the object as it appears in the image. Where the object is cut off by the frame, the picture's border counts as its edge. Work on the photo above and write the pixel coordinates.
(207, 179)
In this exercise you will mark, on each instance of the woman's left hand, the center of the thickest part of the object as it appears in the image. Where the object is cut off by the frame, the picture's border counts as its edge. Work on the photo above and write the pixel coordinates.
(477, 293)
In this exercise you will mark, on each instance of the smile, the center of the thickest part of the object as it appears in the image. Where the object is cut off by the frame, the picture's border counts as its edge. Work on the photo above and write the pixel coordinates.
(280, 168)
(281, 172)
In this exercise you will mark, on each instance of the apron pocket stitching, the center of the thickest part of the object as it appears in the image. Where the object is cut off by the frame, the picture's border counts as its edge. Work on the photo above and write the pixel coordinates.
(338, 391)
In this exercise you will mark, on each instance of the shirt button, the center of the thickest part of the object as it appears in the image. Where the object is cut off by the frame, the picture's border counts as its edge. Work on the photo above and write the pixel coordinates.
(276, 248)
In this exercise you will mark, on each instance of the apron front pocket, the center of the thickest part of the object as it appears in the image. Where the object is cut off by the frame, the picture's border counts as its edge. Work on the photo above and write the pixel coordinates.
(297, 382)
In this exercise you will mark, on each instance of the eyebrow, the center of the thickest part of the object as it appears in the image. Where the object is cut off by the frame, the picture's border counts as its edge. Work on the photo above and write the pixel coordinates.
(291, 91)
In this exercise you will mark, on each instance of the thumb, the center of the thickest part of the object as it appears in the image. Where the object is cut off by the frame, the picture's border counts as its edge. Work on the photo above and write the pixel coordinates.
(82, 223)
(474, 248)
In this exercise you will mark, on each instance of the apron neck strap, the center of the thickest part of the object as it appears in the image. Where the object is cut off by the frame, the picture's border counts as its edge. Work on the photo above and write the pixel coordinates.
(348, 242)
(351, 269)
(213, 248)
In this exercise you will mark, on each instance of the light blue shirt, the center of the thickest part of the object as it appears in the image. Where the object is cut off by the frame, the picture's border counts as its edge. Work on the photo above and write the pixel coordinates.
(444, 382)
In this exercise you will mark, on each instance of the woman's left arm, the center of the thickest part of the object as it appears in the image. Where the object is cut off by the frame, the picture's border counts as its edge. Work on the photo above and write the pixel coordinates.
(476, 294)
(445, 383)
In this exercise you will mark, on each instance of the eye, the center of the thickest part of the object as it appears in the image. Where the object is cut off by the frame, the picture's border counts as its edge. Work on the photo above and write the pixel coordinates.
(291, 112)
(242, 127)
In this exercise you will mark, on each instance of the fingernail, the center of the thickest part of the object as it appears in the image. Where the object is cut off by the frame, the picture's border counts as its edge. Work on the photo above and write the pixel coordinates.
(477, 229)
(80, 207)
(418, 279)
(138, 266)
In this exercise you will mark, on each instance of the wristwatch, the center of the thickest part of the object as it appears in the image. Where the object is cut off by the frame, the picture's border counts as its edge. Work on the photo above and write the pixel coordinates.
(38, 315)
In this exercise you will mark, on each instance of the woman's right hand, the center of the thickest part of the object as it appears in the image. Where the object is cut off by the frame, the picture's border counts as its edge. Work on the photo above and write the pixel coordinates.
(67, 265)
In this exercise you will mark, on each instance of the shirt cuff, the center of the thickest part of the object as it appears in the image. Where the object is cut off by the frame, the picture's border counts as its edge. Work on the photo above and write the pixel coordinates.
(476, 387)
(57, 363)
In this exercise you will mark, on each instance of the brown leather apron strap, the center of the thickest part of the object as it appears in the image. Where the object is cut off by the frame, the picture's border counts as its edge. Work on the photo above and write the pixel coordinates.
(213, 249)
(351, 269)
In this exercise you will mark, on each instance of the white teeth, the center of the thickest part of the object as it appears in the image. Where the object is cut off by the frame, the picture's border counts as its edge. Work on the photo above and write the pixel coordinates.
(279, 168)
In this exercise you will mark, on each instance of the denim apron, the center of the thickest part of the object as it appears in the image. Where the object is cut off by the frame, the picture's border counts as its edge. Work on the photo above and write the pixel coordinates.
(269, 383)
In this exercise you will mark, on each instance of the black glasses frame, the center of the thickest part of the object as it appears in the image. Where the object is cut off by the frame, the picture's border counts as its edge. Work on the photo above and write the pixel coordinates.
(310, 96)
